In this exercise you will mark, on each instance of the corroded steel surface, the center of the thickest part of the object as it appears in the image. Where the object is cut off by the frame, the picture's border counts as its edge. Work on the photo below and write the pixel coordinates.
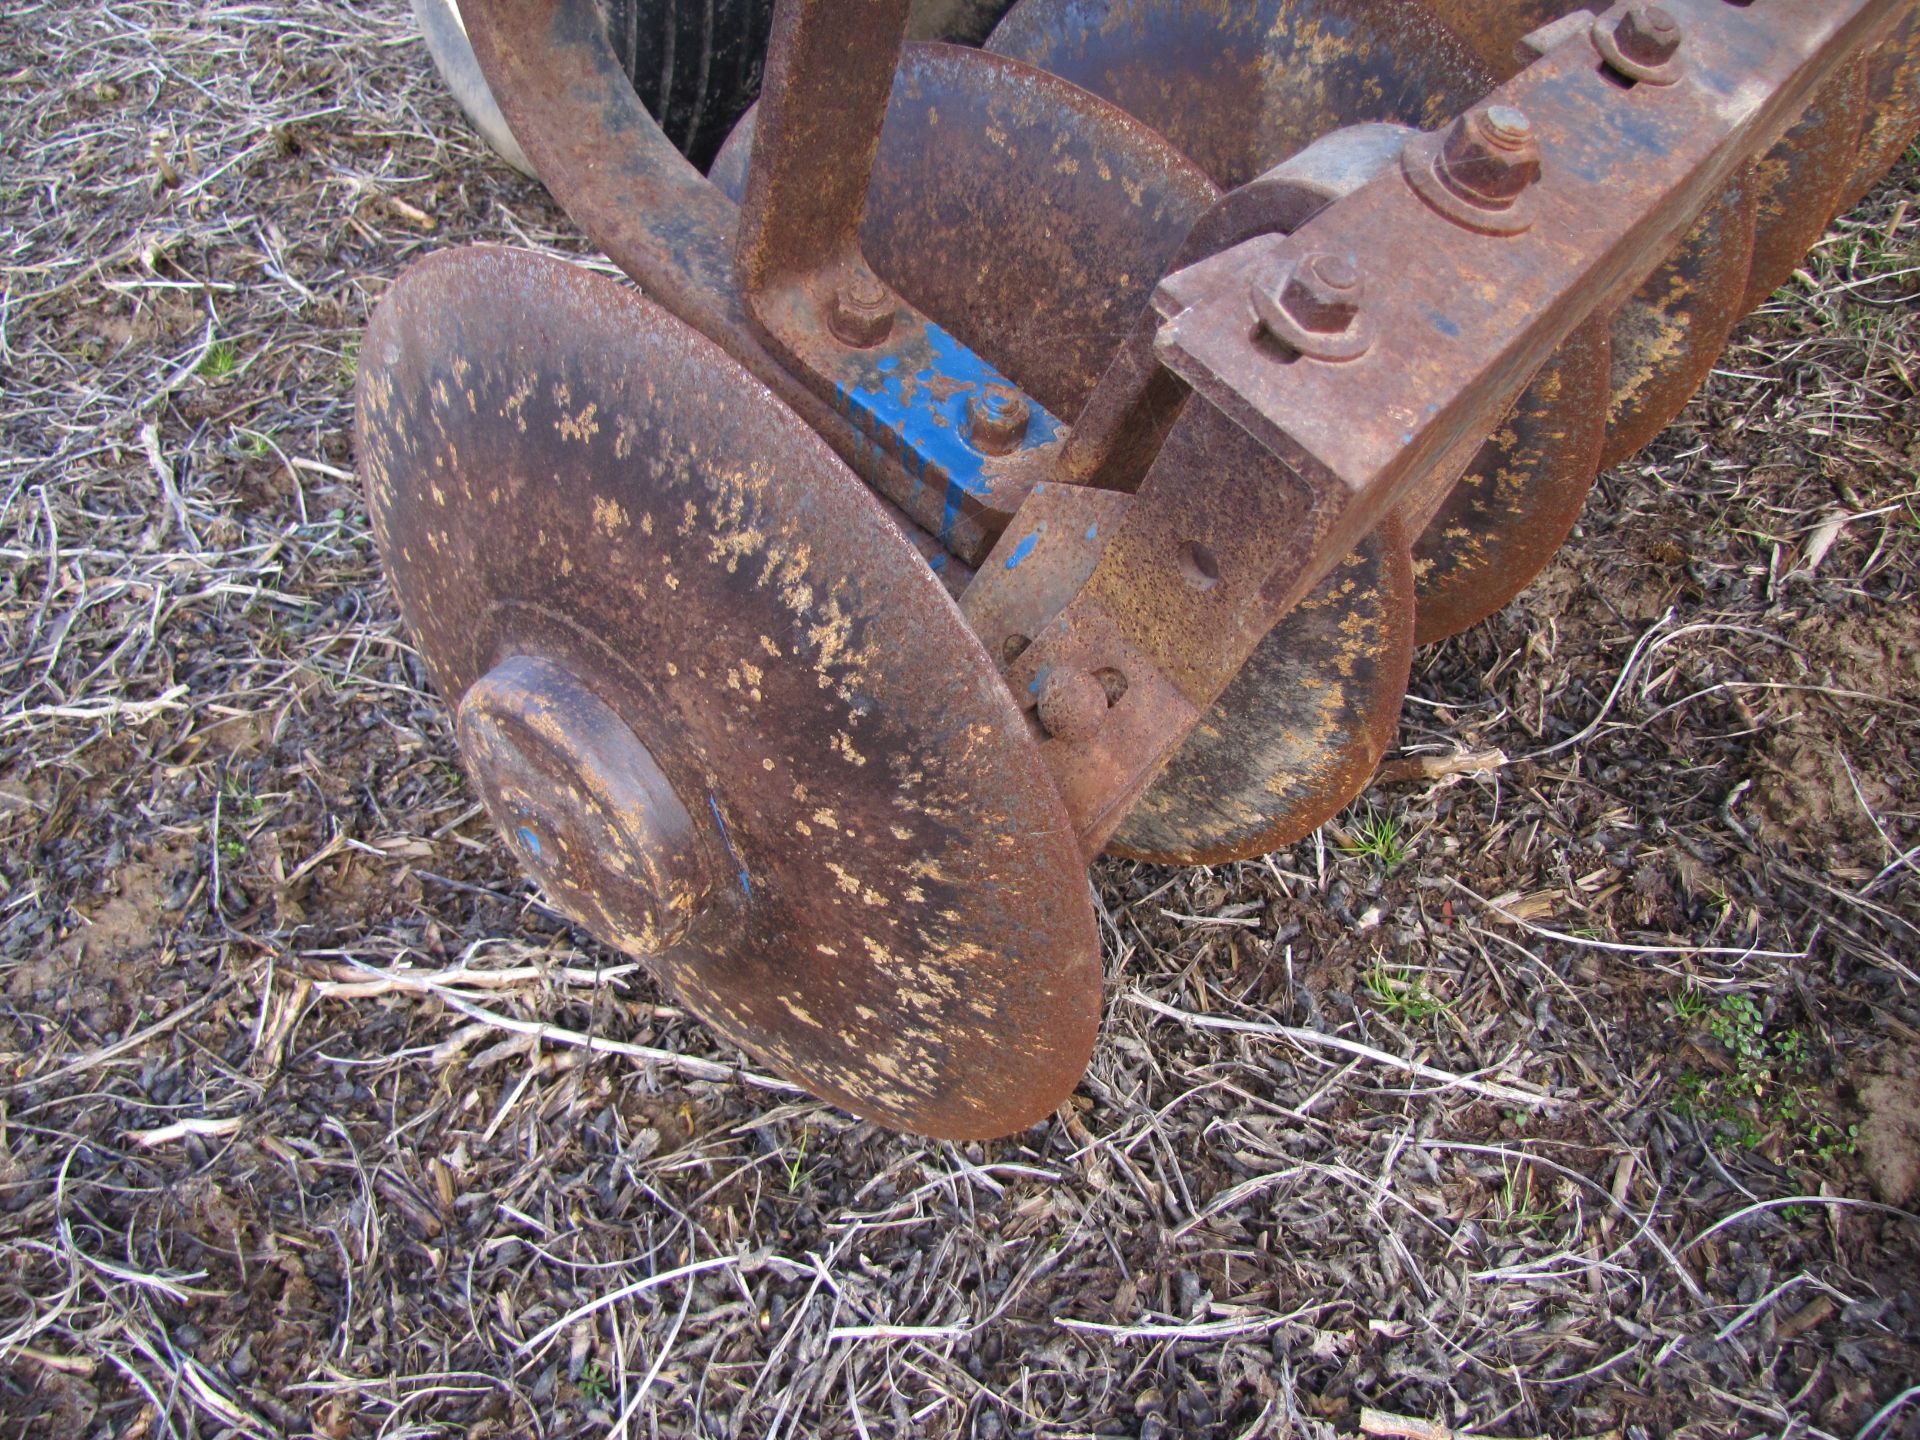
(603, 157)
(1034, 217)
(1520, 496)
(1242, 87)
(1626, 171)
(857, 868)
(1797, 184)
(1893, 107)
(1299, 731)
(1670, 331)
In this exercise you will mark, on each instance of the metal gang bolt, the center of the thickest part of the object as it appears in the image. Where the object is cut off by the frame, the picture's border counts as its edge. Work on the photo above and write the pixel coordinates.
(1491, 157)
(1324, 294)
(1642, 45)
(997, 419)
(1313, 307)
(862, 312)
(1073, 704)
(1648, 35)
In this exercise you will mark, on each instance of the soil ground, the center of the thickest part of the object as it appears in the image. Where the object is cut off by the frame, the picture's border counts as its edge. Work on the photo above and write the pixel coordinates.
(296, 1137)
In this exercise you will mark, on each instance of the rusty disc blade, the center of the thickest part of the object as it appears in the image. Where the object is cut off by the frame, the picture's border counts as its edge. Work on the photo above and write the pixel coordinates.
(1520, 497)
(1495, 28)
(1893, 108)
(1669, 333)
(718, 704)
(1300, 730)
(1798, 184)
(1242, 87)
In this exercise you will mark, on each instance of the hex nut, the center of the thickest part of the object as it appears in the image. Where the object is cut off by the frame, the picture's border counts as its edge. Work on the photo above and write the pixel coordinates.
(862, 312)
(997, 419)
(1480, 172)
(1314, 307)
(1642, 45)
(1324, 293)
(1491, 157)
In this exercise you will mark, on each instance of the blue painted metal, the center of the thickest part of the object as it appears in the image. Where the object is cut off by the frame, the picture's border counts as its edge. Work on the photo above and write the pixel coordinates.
(916, 414)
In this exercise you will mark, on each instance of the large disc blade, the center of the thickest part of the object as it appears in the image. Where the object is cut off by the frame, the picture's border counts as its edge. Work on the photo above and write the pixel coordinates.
(722, 708)
(1242, 87)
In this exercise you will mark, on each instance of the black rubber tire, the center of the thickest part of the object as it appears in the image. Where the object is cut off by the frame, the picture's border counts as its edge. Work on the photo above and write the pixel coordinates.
(695, 63)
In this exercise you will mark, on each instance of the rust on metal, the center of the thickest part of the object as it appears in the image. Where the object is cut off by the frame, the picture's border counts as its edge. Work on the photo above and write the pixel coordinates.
(1299, 731)
(1797, 184)
(1669, 332)
(1641, 43)
(1357, 441)
(1893, 107)
(1223, 82)
(747, 734)
(1519, 498)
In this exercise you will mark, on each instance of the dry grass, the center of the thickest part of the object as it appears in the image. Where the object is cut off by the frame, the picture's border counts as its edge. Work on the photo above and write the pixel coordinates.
(1519, 1102)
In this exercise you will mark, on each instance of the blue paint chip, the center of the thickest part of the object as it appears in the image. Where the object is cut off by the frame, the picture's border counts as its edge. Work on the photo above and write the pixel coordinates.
(1023, 550)
(1446, 327)
(746, 883)
(530, 840)
(1093, 532)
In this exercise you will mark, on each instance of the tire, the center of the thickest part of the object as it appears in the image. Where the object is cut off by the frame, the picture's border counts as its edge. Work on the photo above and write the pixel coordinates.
(695, 64)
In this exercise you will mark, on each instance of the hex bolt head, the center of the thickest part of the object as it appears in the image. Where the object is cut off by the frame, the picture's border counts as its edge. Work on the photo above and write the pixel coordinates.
(1073, 704)
(1324, 294)
(862, 312)
(997, 419)
(1648, 35)
(1490, 157)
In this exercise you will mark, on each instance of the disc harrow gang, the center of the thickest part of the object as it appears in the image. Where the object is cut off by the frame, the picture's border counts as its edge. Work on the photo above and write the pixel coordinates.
(1045, 449)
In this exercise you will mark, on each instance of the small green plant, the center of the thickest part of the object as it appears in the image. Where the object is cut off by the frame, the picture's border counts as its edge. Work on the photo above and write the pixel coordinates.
(1690, 1004)
(1402, 993)
(593, 1381)
(1736, 1022)
(1769, 1094)
(252, 444)
(796, 1166)
(221, 360)
(349, 363)
(1520, 1208)
(1377, 835)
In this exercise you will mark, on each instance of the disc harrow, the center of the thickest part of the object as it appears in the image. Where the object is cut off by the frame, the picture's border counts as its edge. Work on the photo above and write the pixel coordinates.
(1016, 453)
